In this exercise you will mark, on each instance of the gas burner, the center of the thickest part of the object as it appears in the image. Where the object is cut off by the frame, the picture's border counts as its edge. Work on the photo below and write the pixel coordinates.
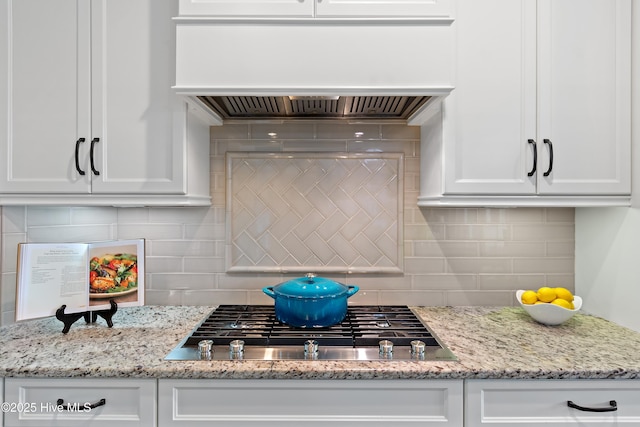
(383, 324)
(252, 332)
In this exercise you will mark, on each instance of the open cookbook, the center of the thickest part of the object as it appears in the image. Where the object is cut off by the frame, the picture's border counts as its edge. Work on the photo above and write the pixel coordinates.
(81, 276)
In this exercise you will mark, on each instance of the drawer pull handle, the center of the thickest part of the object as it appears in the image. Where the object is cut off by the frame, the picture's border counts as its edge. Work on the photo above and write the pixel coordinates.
(76, 406)
(613, 406)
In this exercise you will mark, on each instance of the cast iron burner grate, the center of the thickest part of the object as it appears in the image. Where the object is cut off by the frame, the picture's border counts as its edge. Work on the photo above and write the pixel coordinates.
(252, 332)
(363, 326)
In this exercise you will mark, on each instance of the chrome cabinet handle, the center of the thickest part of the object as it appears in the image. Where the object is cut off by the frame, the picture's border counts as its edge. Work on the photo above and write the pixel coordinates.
(80, 406)
(535, 157)
(546, 141)
(93, 143)
(613, 406)
(78, 142)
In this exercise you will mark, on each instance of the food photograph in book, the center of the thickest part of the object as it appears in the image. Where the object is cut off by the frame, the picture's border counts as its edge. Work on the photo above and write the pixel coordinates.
(116, 272)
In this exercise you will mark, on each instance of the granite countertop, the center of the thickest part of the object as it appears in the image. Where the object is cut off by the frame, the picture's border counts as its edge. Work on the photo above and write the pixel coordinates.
(490, 342)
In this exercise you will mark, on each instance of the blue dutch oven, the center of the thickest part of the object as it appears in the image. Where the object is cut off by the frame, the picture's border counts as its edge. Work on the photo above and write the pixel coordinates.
(310, 301)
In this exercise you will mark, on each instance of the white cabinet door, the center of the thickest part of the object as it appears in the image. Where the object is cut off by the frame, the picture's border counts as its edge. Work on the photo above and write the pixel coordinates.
(274, 403)
(317, 8)
(133, 105)
(492, 111)
(546, 403)
(383, 8)
(584, 91)
(88, 113)
(534, 77)
(246, 8)
(52, 402)
(44, 96)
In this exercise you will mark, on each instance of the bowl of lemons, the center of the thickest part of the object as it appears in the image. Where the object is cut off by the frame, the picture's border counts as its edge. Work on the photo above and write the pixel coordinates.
(549, 306)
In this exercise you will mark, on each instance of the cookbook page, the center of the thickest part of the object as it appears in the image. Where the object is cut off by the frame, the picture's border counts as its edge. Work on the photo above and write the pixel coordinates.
(116, 271)
(50, 275)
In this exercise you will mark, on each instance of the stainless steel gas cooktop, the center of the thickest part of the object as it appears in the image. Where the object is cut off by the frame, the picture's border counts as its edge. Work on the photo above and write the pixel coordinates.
(252, 332)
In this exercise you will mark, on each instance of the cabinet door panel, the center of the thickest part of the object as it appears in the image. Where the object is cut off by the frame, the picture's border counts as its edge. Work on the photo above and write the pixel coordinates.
(127, 402)
(271, 403)
(544, 403)
(584, 96)
(133, 103)
(383, 8)
(44, 95)
(491, 113)
(247, 8)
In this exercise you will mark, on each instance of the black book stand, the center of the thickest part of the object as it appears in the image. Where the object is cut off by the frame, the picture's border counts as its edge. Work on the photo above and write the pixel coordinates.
(89, 316)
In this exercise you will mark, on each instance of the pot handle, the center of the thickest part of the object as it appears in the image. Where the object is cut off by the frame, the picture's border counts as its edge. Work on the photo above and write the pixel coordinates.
(269, 291)
(352, 290)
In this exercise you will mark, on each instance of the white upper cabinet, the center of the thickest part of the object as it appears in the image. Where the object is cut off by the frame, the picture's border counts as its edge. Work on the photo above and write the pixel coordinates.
(540, 114)
(132, 101)
(44, 96)
(88, 113)
(246, 8)
(584, 89)
(316, 8)
(388, 8)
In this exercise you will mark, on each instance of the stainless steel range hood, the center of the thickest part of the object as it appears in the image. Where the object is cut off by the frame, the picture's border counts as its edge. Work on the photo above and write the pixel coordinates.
(300, 68)
(315, 107)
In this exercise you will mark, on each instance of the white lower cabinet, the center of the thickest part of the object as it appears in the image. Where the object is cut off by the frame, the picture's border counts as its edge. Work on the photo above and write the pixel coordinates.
(550, 403)
(56, 402)
(316, 402)
(267, 403)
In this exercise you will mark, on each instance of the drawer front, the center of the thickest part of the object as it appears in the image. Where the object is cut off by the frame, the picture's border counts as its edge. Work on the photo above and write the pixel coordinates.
(270, 403)
(545, 402)
(35, 402)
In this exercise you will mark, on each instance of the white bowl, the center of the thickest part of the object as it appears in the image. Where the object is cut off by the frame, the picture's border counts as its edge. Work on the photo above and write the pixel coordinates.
(549, 314)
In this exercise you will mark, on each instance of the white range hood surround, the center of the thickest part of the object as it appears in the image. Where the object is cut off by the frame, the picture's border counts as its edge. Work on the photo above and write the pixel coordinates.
(313, 57)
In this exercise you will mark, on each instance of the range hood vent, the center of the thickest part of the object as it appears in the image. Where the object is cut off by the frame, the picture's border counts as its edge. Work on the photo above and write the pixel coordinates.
(315, 107)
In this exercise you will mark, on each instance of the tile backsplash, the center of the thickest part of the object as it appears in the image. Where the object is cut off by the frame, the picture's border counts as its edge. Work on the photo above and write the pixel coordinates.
(452, 256)
(330, 212)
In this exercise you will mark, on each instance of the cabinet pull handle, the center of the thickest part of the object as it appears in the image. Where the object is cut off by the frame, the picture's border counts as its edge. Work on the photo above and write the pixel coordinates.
(535, 157)
(613, 406)
(546, 141)
(93, 143)
(78, 142)
(80, 406)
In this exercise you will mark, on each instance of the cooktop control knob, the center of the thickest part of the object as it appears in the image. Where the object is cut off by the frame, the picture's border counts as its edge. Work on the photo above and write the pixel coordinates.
(310, 348)
(236, 346)
(204, 347)
(386, 348)
(418, 348)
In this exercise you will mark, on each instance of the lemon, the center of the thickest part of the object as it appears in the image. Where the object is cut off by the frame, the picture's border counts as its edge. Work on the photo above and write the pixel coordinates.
(564, 293)
(529, 297)
(563, 303)
(546, 294)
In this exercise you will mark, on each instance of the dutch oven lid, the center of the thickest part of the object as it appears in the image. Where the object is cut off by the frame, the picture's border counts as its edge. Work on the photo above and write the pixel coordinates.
(311, 286)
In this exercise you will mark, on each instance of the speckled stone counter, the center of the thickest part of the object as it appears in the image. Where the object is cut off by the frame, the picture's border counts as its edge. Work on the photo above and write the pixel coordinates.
(499, 342)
